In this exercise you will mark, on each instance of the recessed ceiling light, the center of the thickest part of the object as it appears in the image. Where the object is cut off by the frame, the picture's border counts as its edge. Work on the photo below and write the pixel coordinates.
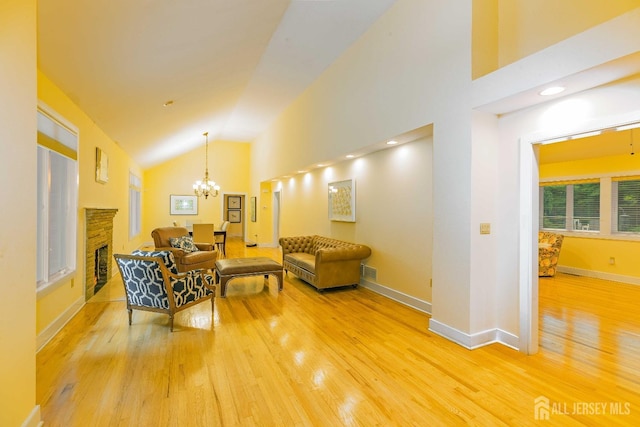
(392, 142)
(320, 165)
(350, 156)
(552, 91)
(169, 103)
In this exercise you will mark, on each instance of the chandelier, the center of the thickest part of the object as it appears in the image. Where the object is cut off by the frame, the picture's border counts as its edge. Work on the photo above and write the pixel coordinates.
(205, 187)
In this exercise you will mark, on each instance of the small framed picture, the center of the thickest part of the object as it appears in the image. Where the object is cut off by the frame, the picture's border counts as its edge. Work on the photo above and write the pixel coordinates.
(102, 166)
(234, 216)
(342, 201)
(234, 202)
(183, 205)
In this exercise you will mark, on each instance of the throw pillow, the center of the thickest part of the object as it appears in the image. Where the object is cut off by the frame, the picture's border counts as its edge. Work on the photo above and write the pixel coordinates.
(185, 243)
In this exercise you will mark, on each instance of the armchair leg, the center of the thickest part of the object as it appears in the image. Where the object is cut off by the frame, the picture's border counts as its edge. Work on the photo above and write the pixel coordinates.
(130, 313)
(171, 321)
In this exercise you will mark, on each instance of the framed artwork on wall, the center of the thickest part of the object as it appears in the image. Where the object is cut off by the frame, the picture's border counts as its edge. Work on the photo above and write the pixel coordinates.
(342, 201)
(234, 202)
(183, 205)
(102, 166)
(234, 216)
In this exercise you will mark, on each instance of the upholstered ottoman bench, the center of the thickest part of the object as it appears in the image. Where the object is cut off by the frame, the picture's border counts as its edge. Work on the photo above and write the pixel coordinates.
(227, 269)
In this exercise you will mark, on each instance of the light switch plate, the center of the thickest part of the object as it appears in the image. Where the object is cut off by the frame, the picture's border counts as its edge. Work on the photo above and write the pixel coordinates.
(485, 228)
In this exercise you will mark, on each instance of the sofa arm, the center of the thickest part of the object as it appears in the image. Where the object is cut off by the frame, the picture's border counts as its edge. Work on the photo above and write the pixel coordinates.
(177, 253)
(355, 252)
(204, 246)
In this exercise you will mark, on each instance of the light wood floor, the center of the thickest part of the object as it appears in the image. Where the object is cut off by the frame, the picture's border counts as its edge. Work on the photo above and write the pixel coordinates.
(347, 357)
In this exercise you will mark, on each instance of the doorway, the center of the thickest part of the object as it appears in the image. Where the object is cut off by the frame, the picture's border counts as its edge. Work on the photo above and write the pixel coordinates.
(276, 218)
(234, 211)
(529, 221)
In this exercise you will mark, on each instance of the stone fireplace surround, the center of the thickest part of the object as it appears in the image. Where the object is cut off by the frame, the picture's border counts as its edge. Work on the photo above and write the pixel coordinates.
(98, 233)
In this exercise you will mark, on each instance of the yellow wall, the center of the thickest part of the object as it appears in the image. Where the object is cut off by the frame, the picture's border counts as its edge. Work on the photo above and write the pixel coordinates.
(590, 253)
(228, 167)
(484, 37)
(393, 212)
(506, 31)
(18, 225)
(91, 194)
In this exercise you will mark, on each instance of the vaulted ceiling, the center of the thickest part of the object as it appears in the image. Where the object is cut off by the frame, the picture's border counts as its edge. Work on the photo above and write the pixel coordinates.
(155, 74)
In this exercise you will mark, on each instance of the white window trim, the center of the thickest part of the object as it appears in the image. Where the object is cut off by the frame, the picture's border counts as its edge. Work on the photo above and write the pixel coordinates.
(63, 277)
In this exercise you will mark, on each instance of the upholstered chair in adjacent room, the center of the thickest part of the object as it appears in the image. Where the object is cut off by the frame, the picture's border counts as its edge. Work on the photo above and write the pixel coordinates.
(152, 283)
(188, 255)
(549, 245)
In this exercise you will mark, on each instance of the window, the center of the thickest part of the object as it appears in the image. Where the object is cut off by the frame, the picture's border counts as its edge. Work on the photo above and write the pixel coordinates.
(57, 200)
(554, 212)
(135, 186)
(571, 206)
(626, 206)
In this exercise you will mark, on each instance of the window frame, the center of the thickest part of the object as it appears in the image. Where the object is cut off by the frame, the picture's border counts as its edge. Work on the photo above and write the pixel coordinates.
(56, 136)
(607, 204)
(570, 220)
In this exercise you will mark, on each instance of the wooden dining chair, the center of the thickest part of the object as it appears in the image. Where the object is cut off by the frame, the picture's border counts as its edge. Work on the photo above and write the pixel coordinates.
(203, 233)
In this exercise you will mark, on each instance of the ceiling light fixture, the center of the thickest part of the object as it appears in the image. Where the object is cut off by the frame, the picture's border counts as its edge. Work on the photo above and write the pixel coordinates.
(392, 142)
(554, 90)
(629, 126)
(205, 187)
(168, 103)
(586, 134)
(350, 156)
(551, 141)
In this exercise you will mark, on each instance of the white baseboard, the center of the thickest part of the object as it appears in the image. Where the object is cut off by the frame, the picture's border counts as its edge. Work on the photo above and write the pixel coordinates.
(472, 341)
(54, 327)
(400, 297)
(33, 420)
(600, 275)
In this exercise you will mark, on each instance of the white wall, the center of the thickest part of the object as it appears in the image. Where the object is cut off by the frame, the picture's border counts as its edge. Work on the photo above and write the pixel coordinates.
(388, 83)
(394, 215)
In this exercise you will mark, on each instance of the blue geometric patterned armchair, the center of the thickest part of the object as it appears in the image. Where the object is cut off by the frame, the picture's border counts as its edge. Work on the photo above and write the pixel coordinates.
(152, 283)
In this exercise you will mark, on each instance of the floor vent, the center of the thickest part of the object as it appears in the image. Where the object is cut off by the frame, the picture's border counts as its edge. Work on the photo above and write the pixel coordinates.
(369, 272)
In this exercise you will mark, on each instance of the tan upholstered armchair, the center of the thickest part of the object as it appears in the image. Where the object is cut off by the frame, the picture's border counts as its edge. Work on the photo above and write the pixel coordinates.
(549, 245)
(204, 258)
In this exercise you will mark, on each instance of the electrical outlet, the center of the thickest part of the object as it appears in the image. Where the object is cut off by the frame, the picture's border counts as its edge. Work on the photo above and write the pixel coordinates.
(612, 261)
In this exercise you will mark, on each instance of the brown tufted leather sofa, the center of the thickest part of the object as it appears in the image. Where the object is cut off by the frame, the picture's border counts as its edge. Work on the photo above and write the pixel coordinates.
(323, 262)
(205, 258)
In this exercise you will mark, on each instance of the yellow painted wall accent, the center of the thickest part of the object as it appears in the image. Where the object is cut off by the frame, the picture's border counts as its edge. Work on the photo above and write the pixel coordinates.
(526, 26)
(485, 40)
(592, 253)
(18, 62)
(91, 194)
(506, 31)
(228, 167)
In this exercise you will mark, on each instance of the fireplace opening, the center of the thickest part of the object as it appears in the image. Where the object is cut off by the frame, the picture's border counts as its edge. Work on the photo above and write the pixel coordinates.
(101, 268)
